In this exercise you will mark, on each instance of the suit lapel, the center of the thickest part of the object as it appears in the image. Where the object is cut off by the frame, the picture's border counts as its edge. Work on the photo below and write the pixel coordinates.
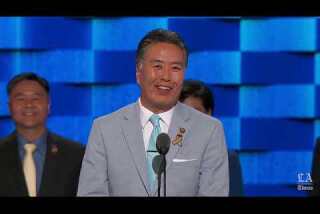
(180, 119)
(15, 167)
(50, 173)
(132, 131)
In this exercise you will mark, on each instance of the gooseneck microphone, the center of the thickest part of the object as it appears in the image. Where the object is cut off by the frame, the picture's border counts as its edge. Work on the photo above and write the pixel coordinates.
(158, 168)
(163, 143)
(159, 162)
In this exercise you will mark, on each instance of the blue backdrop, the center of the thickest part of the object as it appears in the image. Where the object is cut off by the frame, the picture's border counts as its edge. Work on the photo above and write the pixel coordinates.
(263, 71)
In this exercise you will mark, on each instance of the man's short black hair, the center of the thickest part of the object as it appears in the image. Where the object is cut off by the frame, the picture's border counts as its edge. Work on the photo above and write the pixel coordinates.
(27, 76)
(160, 35)
(197, 89)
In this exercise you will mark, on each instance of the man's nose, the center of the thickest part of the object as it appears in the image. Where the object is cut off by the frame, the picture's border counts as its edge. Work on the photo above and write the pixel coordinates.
(28, 103)
(166, 73)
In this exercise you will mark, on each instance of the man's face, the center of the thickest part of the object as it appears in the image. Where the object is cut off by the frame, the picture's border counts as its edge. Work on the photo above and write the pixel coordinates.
(29, 105)
(160, 75)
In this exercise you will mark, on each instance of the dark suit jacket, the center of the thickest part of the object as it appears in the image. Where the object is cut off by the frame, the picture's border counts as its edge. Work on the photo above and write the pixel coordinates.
(235, 173)
(315, 174)
(60, 172)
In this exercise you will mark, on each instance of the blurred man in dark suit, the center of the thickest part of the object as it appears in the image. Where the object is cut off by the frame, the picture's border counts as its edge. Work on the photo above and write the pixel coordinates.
(33, 160)
(315, 175)
(197, 95)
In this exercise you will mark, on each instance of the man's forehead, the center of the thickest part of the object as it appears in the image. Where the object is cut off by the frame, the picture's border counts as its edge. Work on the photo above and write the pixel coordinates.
(159, 52)
(28, 89)
(28, 85)
(26, 94)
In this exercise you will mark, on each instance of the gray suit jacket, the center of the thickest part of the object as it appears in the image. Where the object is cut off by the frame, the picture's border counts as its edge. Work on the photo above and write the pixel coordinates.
(115, 160)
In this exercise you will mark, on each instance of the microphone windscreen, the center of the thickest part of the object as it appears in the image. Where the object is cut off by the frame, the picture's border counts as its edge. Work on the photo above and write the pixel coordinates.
(163, 143)
(157, 164)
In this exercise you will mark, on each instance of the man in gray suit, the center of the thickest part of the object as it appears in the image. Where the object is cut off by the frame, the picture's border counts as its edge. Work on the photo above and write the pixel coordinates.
(118, 161)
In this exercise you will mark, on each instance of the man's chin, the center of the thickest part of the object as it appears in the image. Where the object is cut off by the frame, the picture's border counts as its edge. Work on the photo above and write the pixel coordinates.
(165, 105)
(29, 126)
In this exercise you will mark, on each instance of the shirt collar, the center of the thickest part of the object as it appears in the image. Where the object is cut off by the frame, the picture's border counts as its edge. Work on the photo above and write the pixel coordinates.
(40, 142)
(145, 115)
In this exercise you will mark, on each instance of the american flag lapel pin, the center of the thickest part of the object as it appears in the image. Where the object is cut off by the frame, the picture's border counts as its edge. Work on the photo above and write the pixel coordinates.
(54, 148)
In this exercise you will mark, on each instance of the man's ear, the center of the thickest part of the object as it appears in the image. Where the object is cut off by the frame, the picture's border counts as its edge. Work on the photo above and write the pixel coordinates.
(49, 106)
(8, 104)
(138, 72)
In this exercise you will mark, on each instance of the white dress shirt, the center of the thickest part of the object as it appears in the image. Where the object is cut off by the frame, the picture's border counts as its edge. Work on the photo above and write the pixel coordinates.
(147, 126)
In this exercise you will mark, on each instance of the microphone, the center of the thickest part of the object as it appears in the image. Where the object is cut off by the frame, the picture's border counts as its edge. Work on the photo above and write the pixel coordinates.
(163, 143)
(157, 164)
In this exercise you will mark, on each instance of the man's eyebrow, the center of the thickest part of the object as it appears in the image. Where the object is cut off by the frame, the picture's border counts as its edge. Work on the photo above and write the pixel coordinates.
(156, 60)
(178, 63)
(17, 94)
(160, 61)
(39, 93)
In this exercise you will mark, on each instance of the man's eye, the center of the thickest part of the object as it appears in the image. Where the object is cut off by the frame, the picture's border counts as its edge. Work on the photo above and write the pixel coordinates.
(20, 98)
(157, 66)
(177, 68)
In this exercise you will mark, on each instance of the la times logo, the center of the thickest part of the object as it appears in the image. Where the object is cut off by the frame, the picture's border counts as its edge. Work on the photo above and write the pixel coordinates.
(304, 181)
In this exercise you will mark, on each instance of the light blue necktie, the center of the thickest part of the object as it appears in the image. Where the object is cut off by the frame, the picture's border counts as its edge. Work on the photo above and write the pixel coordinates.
(154, 119)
